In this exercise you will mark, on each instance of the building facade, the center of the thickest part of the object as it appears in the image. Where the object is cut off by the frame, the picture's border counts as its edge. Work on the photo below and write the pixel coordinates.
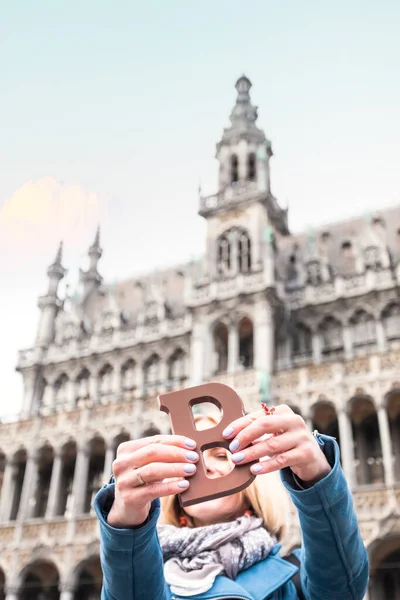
(310, 320)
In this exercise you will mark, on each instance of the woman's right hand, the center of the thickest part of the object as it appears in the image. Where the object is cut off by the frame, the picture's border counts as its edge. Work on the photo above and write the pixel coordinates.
(155, 458)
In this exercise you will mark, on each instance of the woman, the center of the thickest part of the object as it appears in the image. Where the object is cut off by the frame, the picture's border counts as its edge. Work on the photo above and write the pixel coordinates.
(228, 548)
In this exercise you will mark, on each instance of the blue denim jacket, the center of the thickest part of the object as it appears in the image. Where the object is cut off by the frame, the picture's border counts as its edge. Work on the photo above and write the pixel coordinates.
(334, 562)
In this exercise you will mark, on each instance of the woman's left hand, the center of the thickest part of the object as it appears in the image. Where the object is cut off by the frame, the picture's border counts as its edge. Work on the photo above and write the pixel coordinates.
(293, 445)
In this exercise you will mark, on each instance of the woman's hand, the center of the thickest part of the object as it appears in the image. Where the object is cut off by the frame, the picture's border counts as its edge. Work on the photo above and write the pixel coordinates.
(150, 460)
(293, 445)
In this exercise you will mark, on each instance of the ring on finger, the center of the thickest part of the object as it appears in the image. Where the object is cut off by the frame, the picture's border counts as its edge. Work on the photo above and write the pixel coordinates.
(140, 478)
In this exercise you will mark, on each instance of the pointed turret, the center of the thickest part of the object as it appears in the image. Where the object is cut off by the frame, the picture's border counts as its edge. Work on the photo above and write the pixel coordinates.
(50, 303)
(92, 278)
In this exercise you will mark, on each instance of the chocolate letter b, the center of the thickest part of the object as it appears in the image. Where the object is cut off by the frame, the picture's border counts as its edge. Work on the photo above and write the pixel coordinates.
(179, 407)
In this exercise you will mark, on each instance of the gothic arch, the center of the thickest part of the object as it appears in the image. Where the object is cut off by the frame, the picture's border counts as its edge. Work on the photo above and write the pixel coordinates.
(86, 577)
(384, 557)
(220, 333)
(367, 443)
(234, 251)
(246, 342)
(40, 575)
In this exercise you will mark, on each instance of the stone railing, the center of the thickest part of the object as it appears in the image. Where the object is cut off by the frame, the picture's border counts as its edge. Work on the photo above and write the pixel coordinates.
(119, 338)
(61, 531)
(341, 287)
(229, 288)
(360, 371)
(231, 195)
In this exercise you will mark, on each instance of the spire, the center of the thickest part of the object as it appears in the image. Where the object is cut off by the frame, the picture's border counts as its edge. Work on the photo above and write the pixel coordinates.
(243, 112)
(243, 119)
(56, 271)
(95, 249)
(91, 278)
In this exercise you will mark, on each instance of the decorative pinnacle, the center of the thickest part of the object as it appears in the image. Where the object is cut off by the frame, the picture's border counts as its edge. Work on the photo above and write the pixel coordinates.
(56, 270)
(95, 247)
(59, 254)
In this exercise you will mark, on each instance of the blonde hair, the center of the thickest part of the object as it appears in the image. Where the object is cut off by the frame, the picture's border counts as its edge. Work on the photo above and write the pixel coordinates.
(266, 497)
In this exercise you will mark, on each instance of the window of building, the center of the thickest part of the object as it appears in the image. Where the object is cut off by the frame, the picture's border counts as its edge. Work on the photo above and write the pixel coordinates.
(234, 168)
(105, 380)
(234, 243)
(246, 351)
(331, 333)
(363, 328)
(251, 167)
(60, 389)
(314, 272)
(244, 252)
(220, 348)
(391, 321)
(301, 341)
(372, 258)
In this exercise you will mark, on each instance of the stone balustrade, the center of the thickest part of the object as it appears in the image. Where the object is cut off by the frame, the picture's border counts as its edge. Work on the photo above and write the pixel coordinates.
(341, 287)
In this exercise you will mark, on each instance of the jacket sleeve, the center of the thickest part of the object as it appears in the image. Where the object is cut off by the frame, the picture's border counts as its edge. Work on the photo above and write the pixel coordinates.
(334, 561)
(131, 559)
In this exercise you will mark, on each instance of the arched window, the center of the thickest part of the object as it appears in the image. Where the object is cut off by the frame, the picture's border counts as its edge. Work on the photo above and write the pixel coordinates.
(347, 258)
(363, 328)
(314, 272)
(246, 351)
(152, 370)
(221, 348)
(234, 252)
(372, 258)
(234, 168)
(60, 389)
(177, 367)
(224, 255)
(128, 375)
(251, 167)
(391, 321)
(244, 252)
(105, 380)
(82, 385)
(301, 342)
(331, 334)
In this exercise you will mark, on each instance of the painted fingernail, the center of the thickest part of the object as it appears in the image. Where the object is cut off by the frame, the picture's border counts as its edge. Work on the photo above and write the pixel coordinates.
(190, 443)
(238, 457)
(234, 445)
(189, 468)
(256, 468)
(228, 431)
(192, 455)
(183, 483)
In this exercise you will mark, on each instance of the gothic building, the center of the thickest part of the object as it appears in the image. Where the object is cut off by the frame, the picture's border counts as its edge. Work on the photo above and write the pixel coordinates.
(310, 320)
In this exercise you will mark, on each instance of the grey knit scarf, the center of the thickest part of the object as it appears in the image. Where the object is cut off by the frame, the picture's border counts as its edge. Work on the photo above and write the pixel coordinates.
(193, 557)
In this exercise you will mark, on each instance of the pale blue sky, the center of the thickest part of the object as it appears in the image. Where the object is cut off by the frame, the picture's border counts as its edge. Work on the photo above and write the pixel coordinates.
(126, 102)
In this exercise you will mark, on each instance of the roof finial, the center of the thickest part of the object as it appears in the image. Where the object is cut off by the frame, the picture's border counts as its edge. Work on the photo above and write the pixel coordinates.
(59, 254)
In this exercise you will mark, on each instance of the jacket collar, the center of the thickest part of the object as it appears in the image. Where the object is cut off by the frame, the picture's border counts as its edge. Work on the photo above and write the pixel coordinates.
(256, 583)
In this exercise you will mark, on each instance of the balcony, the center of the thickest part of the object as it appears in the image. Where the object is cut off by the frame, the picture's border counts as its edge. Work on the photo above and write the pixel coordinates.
(228, 288)
(230, 196)
(357, 285)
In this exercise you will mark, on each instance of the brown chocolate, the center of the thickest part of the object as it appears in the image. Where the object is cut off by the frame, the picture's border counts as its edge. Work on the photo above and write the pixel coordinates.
(179, 407)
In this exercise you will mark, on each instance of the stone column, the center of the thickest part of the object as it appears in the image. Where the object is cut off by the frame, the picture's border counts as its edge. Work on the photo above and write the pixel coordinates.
(79, 488)
(29, 485)
(386, 443)
(71, 394)
(108, 461)
(66, 591)
(346, 446)
(139, 379)
(316, 348)
(233, 347)
(381, 343)
(197, 354)
(11, 592)
(55, 484)
(8, 490)
(263, 337)
(94, 388)
(347, 342)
